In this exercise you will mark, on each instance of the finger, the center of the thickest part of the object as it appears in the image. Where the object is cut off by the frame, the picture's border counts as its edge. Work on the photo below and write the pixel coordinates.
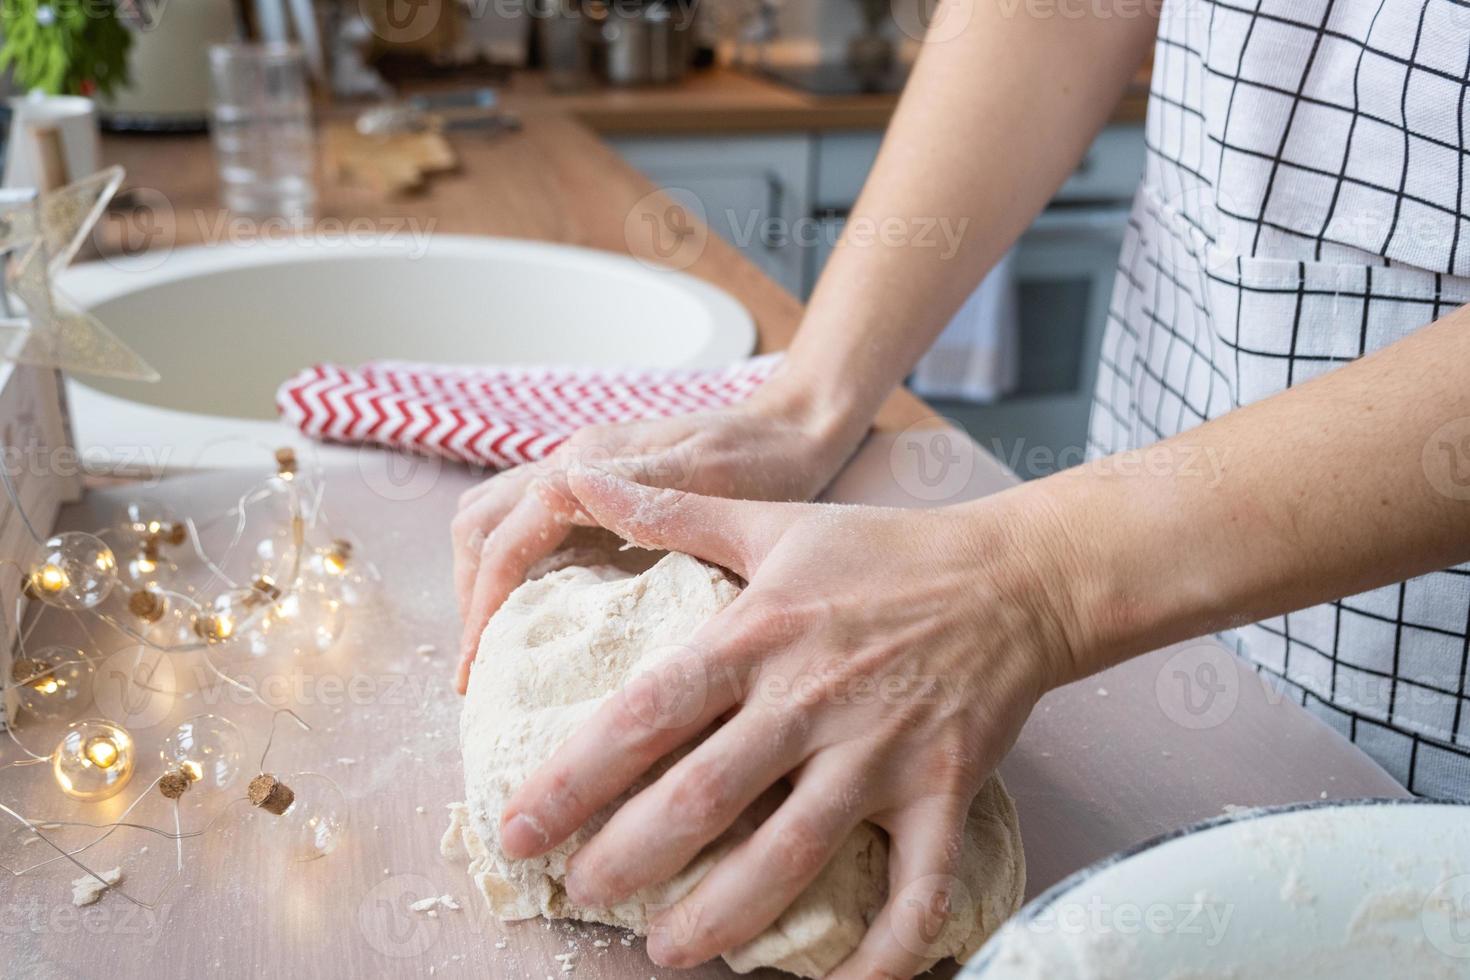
(734, 533)
(924, 894)
(759, 879)
(654, 835)
(529, 533)
(475, 519)
(653, 714)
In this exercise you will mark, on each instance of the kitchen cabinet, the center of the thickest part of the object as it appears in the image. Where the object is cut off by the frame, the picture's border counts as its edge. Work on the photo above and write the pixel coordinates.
(807, 184)
(752, 191)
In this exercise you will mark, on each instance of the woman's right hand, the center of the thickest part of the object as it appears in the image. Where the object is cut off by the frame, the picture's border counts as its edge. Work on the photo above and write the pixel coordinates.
(774, 446)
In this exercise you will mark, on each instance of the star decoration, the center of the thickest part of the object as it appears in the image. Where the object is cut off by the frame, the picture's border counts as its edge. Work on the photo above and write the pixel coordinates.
(39, 236)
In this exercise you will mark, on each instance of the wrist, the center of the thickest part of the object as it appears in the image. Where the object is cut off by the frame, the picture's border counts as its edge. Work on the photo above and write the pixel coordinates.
(832, 419)
(1025, 535)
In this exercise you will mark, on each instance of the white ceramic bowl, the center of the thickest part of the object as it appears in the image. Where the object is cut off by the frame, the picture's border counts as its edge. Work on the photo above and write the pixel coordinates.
(1371, 889)
(226, 324)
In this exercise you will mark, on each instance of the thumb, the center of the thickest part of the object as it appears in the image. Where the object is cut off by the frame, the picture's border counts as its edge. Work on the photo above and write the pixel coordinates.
(734, 533)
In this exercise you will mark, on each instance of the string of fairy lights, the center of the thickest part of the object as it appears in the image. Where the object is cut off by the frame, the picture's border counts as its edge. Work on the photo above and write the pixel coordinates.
(149, 579)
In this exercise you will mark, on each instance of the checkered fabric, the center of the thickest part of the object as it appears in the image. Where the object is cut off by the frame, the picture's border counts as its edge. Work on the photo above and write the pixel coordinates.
(1305, 203)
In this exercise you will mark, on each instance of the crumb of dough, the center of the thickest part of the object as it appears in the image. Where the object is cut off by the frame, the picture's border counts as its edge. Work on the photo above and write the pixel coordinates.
(87, 889)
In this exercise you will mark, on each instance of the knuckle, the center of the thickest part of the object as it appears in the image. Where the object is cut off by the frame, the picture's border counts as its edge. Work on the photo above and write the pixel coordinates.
(773, 621)
(595, 876)
(801, 846)
(700, 795)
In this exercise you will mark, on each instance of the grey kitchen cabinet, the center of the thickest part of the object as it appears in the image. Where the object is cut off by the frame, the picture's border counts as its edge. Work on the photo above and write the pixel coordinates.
(753, 191)
(784, 200)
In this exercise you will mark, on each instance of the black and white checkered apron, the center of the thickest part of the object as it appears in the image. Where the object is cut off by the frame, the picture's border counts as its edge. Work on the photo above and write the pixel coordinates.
(1305, 202)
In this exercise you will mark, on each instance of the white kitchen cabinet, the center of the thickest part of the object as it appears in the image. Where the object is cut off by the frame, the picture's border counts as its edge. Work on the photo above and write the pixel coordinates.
(753, 191)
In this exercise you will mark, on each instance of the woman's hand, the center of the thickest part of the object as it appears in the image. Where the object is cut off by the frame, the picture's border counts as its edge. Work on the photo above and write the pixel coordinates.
(880, 660)
(775, 446)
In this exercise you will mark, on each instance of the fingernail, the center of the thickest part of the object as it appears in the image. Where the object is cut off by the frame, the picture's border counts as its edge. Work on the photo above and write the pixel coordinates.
(522, 836)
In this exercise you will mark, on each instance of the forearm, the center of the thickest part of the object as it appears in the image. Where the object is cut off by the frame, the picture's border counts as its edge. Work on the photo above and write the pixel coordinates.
(1342, 484)
(991, 122)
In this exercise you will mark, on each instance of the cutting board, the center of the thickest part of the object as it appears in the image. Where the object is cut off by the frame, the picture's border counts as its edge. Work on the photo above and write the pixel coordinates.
(1093, 772)
(389, 166)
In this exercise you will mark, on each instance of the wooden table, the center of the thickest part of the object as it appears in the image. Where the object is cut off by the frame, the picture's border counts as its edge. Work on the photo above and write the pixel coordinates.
(556, 181)
(1093, 772)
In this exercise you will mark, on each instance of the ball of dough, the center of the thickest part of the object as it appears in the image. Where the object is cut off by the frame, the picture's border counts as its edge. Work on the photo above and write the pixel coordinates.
(561, 644)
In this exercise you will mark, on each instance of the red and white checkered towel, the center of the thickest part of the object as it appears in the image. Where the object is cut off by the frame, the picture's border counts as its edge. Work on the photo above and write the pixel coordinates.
(497, 416)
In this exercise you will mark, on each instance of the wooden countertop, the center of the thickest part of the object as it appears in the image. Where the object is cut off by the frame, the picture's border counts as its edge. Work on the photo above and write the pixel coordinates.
(728, 100)
(554, 181)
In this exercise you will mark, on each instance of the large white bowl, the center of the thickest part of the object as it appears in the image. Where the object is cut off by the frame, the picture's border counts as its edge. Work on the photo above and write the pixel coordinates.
(226, 324)
(1355, 891)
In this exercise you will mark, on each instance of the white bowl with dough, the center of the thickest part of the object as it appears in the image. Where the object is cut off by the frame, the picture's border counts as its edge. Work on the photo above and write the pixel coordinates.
(225, 324)
(1338, 891)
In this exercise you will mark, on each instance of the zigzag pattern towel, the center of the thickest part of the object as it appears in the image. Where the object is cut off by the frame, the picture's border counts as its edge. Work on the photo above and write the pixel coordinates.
(497, 416)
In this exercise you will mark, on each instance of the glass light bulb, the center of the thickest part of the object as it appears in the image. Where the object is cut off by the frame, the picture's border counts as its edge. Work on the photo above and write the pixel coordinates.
(338, 568)
(165, 620)
(306, 620)
(233, 615)
(315, 823)
(93, 760)
(148, 568)
(208, 748)
(75, 570)
(53, 683)
(145, 519)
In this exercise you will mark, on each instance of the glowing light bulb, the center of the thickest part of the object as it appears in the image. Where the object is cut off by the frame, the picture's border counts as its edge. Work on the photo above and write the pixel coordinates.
(166, 620)
(53, 683)
(145, 519)
(148, 568)
(75, 571)
(338, 570)
(93, 760)
(304, 814)
(101, 751)
(207, 748)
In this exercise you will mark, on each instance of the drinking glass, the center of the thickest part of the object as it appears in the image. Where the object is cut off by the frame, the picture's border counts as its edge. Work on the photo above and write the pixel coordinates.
(261, 122)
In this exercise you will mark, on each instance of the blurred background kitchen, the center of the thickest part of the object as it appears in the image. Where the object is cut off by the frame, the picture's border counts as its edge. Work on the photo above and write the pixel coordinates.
(762, 117)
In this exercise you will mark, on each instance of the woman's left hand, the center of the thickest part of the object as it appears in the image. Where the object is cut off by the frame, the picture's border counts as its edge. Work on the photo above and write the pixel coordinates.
(880, 660)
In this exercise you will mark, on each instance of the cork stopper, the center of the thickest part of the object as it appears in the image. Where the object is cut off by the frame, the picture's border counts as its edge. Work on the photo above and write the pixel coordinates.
(265, 588)
(146, 605)
(270, 794)
(285, 460)
(173, 783)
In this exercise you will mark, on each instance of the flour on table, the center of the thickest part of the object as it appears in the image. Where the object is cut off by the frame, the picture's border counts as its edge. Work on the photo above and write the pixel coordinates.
(563, 643)
(87, 889)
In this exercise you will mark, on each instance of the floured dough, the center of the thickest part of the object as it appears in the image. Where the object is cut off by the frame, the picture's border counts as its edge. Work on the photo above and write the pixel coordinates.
(560, 645)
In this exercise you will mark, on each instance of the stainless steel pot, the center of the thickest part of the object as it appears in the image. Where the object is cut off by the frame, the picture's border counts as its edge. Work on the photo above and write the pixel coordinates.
(639, 43)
